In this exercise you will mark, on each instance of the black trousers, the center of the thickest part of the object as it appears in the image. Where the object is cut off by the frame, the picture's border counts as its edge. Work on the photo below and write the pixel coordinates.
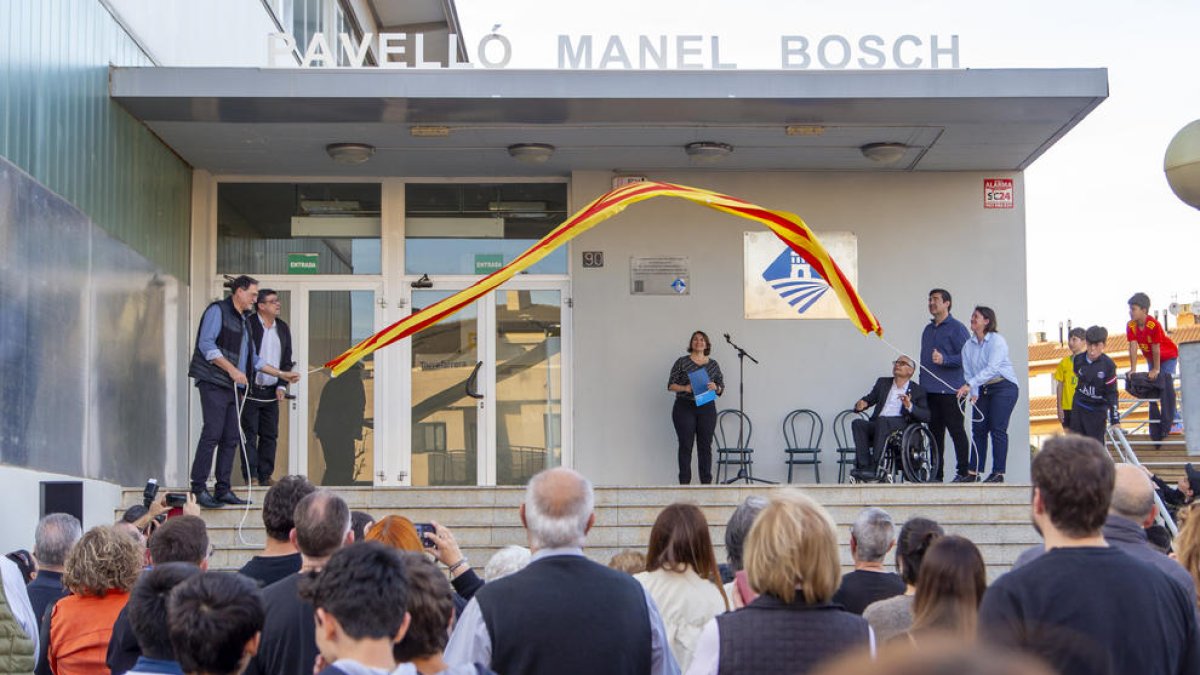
(694, 424)
(1164, 411)
(220, 432)
(338, 450)
(869, 437)
(260, 424)
(1091, 423)
(944, 414)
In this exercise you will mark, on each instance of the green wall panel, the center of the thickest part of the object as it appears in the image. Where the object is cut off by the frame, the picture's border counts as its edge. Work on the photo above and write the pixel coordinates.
(58, 123)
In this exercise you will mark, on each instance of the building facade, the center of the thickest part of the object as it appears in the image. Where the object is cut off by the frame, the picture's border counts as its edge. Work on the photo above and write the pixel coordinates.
(187, 173)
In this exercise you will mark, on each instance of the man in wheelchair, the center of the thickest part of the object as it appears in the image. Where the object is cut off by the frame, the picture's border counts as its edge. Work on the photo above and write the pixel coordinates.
(898, 403)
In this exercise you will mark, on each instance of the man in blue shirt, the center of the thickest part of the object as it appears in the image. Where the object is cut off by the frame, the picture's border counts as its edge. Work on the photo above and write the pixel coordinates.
(221, 362)
(941, 376)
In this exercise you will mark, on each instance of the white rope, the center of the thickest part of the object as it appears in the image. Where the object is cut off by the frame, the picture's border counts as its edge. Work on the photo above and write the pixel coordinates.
(239, 403)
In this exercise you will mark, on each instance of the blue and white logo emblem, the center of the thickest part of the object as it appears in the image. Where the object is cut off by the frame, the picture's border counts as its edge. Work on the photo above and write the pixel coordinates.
(679, 285)
(795, 280)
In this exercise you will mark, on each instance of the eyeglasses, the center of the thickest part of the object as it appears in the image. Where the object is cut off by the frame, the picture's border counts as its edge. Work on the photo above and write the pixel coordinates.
(212, 548)
(902, 362)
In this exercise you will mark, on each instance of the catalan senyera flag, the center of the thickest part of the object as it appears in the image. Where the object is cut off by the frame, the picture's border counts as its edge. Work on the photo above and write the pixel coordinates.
(787, 226)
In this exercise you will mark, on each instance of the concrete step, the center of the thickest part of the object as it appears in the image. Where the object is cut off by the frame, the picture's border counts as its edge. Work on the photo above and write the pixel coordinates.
(995, 517)
(458, 517)
(998, 558)
(369, 498)
(227, 536)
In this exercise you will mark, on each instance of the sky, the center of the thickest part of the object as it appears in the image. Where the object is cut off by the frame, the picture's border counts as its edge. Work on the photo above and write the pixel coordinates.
(1101, 221)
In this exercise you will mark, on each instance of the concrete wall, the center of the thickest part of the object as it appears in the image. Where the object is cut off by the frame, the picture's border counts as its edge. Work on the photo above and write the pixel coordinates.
(915, 231)
(190, 33)
(22, 493)
(58, 124)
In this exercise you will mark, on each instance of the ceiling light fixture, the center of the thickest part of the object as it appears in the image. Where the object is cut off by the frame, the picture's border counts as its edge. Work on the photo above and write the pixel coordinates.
(350, 153)
(884, 153)
(531, 153)
(707, 151)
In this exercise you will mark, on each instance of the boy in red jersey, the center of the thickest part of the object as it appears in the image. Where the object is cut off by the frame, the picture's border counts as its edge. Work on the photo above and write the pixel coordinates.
(1162, 356)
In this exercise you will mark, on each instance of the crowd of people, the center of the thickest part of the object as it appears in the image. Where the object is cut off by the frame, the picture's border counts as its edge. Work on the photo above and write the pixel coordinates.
(340, 593)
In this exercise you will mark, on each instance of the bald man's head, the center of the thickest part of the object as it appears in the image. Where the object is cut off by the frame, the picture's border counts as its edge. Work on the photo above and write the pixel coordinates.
(1133, 494)
(558, 508)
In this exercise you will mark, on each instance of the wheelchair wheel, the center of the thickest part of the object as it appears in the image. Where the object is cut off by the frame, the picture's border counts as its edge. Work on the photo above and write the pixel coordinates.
(918, 453)
(887, 470)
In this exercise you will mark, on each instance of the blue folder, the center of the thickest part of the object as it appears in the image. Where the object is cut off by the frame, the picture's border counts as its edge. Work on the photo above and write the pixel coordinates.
(699, 378)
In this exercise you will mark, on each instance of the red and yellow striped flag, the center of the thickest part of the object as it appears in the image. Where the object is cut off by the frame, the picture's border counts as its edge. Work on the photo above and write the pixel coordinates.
(786, 226)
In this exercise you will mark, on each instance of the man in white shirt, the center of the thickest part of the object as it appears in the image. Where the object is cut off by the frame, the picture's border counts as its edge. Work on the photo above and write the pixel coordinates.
(260, 417)
(898, 402)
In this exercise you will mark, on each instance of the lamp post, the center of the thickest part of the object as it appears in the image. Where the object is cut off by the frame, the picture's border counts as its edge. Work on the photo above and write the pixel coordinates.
(1182, 164)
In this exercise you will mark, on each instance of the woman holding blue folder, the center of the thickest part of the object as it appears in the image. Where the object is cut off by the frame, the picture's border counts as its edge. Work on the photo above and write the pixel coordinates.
(695, 416)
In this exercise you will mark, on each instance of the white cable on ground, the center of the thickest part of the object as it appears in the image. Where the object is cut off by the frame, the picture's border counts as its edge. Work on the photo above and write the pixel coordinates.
(239, 403)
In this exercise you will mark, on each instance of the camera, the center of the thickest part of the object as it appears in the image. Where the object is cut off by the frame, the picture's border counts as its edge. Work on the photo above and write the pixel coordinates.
(422, 528)
(150, 492)
(176, 499)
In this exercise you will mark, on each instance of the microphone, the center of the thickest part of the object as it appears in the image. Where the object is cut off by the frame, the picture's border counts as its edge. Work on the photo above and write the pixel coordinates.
(727, 337)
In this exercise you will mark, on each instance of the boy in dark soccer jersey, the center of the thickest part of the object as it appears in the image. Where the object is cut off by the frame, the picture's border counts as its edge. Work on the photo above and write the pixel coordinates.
(1095, 401)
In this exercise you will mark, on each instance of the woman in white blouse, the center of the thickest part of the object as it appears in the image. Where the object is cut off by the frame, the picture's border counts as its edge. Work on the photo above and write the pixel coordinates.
(991, 385)
(681, 576)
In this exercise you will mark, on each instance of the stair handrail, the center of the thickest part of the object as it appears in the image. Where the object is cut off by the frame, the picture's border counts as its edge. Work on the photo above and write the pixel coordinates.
(1116, 436)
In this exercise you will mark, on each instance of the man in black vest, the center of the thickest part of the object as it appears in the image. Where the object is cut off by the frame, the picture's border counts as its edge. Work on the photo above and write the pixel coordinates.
(563, 613)
(223, 359)
(260, 416)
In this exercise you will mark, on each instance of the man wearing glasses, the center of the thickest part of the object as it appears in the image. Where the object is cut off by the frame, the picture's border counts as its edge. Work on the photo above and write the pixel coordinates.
(260, 416)
(898, 402)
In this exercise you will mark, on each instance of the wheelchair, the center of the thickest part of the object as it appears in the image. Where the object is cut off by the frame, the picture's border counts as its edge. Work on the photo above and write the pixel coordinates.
(909, 455)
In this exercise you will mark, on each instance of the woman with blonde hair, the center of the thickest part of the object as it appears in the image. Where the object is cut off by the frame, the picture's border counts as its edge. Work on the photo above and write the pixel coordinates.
(682, 577)
(792, 562)
(1187, 545)
(99, 571)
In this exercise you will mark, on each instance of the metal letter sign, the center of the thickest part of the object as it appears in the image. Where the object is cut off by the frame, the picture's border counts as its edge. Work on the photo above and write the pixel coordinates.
(780, 285)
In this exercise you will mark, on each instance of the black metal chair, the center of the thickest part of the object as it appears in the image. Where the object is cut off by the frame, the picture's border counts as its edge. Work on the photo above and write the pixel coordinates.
(845, 440)
(733, 443)
(802, 433)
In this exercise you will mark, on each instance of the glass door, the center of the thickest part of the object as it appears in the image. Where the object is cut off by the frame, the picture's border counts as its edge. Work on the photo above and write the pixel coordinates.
(446, 415)
(528, 383)
(487, 387)
(339, 441)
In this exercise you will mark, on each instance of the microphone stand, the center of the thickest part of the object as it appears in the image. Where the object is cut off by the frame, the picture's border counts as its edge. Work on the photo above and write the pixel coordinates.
(742, 473)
